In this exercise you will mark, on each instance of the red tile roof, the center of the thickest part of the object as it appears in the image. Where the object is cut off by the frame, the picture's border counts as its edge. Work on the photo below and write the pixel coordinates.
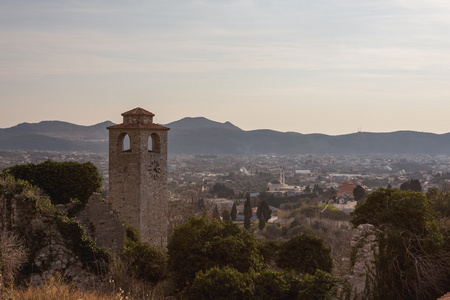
(138, 112)
(138, 126)
(346, 188)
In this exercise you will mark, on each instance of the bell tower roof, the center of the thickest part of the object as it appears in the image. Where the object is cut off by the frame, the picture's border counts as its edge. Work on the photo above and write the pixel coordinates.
(138, 112)
(138, 118)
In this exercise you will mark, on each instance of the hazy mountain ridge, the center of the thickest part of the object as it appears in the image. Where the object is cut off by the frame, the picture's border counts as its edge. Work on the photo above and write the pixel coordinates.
(203, 136)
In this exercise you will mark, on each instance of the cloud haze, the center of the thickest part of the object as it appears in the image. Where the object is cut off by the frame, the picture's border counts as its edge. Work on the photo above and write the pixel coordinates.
(306, 66)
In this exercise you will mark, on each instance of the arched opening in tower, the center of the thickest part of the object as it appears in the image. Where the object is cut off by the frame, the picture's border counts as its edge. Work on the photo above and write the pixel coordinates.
(125, 143)
(154, 143)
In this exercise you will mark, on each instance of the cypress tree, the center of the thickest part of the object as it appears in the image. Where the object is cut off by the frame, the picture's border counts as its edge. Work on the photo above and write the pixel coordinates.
(261, 224)
(247, 213)
(226, 216)
(234, 212)
(216, 214)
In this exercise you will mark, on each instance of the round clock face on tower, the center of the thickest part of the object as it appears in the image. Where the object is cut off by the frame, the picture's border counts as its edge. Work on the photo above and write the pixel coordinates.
(154, 169)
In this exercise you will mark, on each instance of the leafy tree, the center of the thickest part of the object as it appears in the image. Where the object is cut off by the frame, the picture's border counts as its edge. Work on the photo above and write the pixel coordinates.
(228, 283)
(62, 181)
(317, 189)
(221, 283)
(247, 213)
(440, 201)
(142, 260)
(321, 285)
(331, 191)
(359, 193)
(222, 191)
(233, 213)
(145, 262)
(264, 211)
(275, 285)
(403, 210)
(203, 243)
(305, 253)
(307, 189)
(411, 185)
(261, 224)
(216, 214)
(414, 256)
(226, 216)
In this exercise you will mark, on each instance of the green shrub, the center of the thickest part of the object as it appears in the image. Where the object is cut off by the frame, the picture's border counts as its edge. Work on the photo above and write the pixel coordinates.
(275, 285)
(203, 243)
(228, 283)
(305, 253)
(93, 257)
(145, 262)
(221, 283)
(62, 181)
(321, 285)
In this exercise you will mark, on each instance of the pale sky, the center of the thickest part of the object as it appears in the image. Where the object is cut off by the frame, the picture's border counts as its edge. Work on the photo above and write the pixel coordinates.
(322, 66)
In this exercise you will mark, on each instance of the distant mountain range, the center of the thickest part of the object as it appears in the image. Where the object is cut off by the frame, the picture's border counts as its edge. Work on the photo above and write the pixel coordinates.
(203, 136)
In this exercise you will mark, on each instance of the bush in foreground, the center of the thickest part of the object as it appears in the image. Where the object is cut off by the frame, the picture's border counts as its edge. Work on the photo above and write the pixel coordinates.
(228, 283)
(203, 243)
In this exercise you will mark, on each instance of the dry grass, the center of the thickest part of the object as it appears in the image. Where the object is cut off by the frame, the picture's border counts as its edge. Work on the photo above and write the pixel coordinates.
(57, 289)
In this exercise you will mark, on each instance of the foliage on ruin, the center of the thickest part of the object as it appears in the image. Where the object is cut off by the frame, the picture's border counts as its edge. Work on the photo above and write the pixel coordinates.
(94, 258)
(62, 181)
(13, 254)
(203, 243)
(31, 204)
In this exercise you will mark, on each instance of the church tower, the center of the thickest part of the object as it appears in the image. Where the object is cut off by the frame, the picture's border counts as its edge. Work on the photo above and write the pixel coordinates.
(138, 174)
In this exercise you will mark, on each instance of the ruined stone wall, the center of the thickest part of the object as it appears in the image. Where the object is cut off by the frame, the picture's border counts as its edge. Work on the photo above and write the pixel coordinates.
(102, 224)
(52, 256)
(364, 248)
(41, 230)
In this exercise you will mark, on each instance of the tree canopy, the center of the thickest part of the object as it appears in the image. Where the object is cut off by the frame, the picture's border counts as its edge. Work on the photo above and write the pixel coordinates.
(395, 208)
(222, 191)
(411, 185)
(247, 213)
(62, 181)
(233, 213)
(305, 253)
(264, 211)
(203, 243)
(359, 193)
(413, 261)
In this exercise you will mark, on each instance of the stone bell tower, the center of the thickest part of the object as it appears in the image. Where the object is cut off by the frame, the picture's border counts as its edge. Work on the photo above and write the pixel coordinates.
(138, 174)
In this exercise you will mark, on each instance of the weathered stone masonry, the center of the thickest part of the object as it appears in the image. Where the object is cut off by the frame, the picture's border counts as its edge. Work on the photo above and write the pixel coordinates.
(365, 247)
(102, 224)
(138, 175)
